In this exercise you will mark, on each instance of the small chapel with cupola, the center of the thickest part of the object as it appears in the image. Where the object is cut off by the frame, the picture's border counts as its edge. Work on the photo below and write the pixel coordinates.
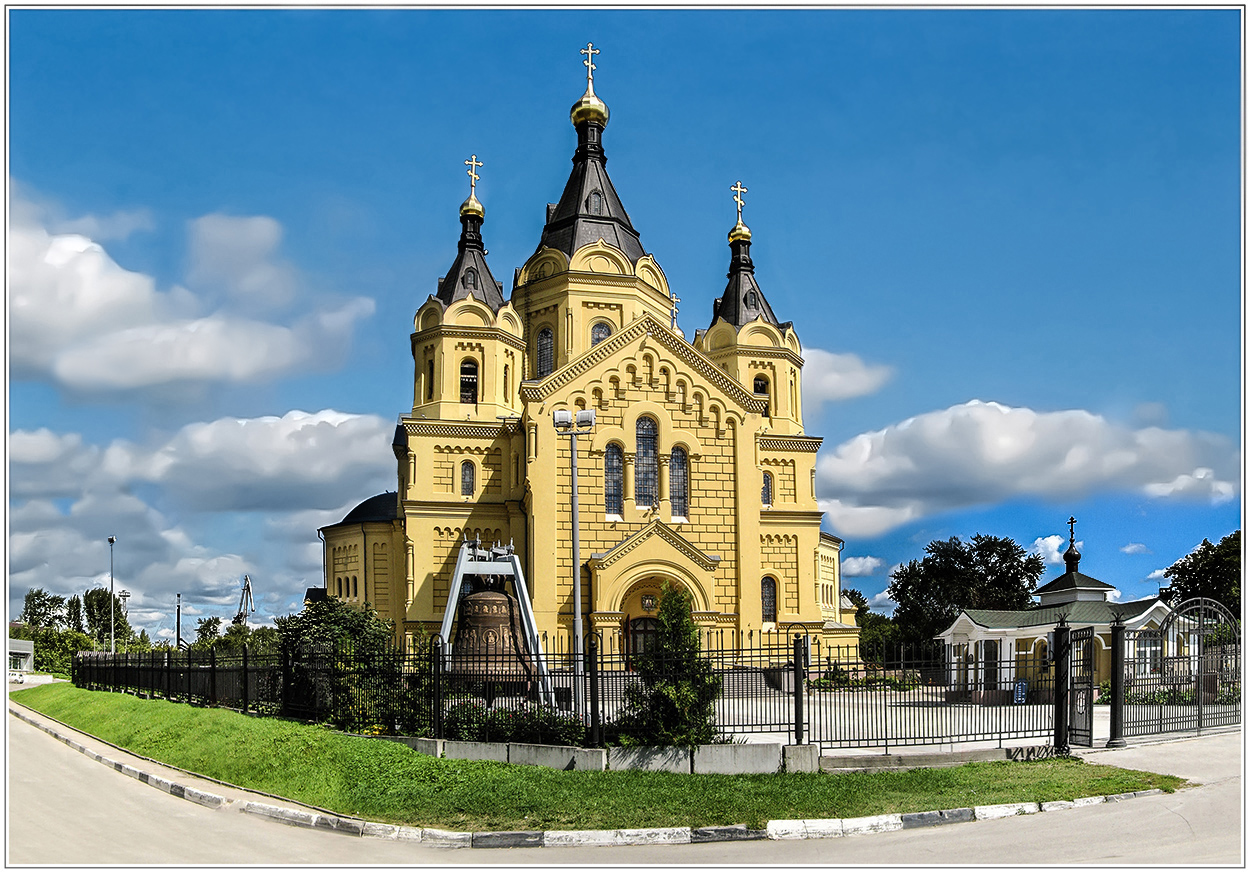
(696, 472)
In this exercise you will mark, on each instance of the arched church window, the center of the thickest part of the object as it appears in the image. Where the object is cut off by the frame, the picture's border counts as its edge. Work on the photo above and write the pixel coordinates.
(468, 479)
(761, 387)
(613, 480)
(599, 332)
(766, 495)
(646, 464)
(546, 352)
(429, 380)
(468, 382)
(470, 278)
(355, 588)
(752, 300)
(596, 203)
(507, 387)
(679, 482)
(768, 598)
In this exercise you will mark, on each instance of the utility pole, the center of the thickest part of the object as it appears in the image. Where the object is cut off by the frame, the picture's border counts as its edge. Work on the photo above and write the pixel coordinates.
(564, 421)
(112, 626)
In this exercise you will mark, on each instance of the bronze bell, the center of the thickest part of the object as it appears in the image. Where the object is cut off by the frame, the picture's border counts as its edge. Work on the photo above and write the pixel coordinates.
(489, 643)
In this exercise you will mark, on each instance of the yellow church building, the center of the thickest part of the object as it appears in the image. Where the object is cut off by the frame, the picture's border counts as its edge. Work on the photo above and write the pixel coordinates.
(696, 473)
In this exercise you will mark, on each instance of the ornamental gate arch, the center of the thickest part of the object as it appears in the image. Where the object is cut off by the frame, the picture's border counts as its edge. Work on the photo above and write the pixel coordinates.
(1185, 675)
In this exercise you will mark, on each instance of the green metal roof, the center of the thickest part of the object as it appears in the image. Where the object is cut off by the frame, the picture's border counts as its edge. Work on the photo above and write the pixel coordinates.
(1081, 612)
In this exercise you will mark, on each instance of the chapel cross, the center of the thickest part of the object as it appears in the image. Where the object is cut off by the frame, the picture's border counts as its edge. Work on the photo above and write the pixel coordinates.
(1071, 529)
(473, 163)
(589, 51)
(739, 189)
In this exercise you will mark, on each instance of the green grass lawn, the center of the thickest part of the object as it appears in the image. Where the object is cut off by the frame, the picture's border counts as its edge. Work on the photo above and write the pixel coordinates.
(385, 781)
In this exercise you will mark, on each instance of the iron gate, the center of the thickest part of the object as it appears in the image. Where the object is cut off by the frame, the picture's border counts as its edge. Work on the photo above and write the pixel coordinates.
(1084, 651)
(1185, 676)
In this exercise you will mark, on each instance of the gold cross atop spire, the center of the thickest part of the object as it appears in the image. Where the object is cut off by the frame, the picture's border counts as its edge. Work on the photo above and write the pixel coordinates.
(473, 163)
(590, 51)
(739, 189)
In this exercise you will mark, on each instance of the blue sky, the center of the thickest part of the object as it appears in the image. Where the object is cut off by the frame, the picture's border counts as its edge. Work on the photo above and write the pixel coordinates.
(1010, 242)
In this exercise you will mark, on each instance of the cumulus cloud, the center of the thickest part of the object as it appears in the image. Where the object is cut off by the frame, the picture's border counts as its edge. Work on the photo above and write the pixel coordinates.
(171, 500)
(979, 453)
(1157, 574)
(829, 376)
(1135, 549)
(1051, 548)
(87, 324)
(865, 566)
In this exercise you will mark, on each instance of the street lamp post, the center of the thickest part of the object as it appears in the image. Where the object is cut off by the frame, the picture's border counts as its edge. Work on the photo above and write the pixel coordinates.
(584, 422)
(112, 633)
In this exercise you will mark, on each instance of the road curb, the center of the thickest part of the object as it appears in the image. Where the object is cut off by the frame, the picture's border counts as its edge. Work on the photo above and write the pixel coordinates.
(777, 829)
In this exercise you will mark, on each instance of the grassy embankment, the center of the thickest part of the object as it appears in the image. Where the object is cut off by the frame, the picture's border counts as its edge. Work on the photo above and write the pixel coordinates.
(384, 781)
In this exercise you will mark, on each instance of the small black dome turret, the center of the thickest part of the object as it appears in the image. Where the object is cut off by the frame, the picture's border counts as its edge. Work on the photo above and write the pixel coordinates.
(469, 276)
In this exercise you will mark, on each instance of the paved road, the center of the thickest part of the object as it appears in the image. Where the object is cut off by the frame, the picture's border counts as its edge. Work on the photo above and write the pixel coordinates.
(66, 809)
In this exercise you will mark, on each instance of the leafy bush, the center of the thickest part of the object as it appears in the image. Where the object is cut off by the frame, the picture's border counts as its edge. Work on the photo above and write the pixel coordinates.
(540, 724)
(671, 704)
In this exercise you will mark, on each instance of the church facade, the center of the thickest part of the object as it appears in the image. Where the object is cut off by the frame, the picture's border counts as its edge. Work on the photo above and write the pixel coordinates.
(697, 471)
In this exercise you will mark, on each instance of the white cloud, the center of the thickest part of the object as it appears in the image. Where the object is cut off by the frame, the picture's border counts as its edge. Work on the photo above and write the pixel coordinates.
(1135, 549)
(882, 603)
(80, 320)
(1157, 574)
(1051, 548)
(829, 376)
(865, 566)
(980, 453)
(239, 255)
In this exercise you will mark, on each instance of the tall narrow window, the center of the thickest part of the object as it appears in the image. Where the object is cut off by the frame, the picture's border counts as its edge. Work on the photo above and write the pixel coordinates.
(596, 203)
(613, 480)
(646, 464)
(470, 278)
(546, 352)
(355, 588)
(766, 495)
(506, 385)
(429, 380)
(679, 483)
(468, 382)
(468, 479)
(761, 387)
(768, 598)
(599, 332)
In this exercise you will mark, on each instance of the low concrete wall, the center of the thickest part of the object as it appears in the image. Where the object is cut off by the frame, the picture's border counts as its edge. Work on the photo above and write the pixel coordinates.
(557, 757)
(425, 746)
(471, 751)
(738, 758)
(669, 759)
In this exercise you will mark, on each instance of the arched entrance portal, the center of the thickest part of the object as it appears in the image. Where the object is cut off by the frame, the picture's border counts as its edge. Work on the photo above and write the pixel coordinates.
(639, 607)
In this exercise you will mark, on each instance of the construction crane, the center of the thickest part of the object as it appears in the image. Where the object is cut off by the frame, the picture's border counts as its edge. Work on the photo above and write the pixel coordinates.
(246, 607)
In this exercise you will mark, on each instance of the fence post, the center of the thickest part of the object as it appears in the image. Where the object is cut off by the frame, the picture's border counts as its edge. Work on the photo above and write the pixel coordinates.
(592, 674)
(798, 690)
(168, 676)
(1117, 685)
(436, 667)
(1062, 651)
(212, 677)
(189, 672)
(245, 680)
(286, 678)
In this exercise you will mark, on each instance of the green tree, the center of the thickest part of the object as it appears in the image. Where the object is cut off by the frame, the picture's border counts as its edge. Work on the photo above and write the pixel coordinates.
(54, 647)
(95, 604)
(987, 572)
(206, 633)
(73, 615)
(877, 636)
(331, 622)
(672, 702)
(861, 604)
(41, 609)
(1212, 571)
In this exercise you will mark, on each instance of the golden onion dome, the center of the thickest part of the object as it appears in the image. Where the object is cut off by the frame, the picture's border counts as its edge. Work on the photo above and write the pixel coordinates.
(473, 206)
(589, 108)
(740, 232)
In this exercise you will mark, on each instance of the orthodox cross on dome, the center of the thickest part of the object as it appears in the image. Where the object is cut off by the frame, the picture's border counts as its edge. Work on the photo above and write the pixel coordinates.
(739, 189)
(1071, 530)
(673, 305)
(473, 163)
(589, 51)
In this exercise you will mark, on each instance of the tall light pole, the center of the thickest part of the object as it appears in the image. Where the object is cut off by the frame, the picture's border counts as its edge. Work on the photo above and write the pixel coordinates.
(585, 421)
(112, 634)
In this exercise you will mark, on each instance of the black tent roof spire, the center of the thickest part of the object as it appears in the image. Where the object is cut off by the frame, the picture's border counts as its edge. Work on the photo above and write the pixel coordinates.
(743, 301)
(469, 276)
(589, 209)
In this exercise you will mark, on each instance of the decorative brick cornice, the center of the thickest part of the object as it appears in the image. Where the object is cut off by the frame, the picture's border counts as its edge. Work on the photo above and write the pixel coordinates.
(789, 443)
(477, 334)
(663, 531)
(465, 430)
(663, 336)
